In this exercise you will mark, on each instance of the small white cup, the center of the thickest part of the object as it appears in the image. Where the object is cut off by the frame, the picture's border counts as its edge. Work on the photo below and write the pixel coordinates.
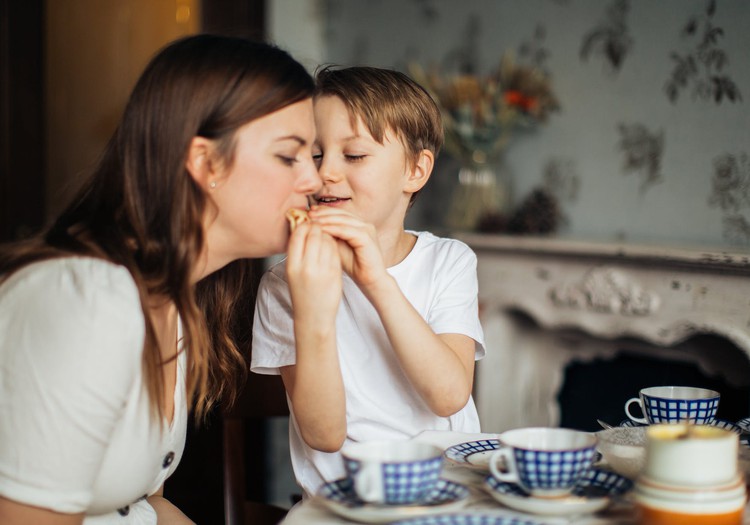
(546, 462)
(393, 472)
(691, 455)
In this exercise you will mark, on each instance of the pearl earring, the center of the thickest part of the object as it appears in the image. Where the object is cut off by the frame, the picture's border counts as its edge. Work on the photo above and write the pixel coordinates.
(212, 184)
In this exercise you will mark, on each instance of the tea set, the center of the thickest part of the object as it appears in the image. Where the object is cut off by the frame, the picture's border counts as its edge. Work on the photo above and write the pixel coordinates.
(677, 464)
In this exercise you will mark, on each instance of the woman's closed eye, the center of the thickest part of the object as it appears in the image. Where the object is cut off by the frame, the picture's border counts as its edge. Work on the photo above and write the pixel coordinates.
(354, 158)
(289, 161)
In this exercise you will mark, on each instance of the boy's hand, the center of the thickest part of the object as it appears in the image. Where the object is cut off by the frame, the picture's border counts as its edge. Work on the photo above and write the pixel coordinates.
(359, 250)
(314, 272)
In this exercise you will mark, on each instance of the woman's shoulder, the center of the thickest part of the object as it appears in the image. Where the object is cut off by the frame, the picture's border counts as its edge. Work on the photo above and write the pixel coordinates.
(74, 307)
(77, 281)
(77, 272)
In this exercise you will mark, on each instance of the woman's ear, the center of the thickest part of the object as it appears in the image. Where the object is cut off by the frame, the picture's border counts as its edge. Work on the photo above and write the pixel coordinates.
(200, 164)
(421, 171)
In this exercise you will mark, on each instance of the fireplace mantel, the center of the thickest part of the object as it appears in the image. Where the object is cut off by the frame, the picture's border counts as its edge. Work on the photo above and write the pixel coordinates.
(605, 291)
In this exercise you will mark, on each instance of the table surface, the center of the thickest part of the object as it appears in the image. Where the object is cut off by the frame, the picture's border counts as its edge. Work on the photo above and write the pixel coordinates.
(313, 512)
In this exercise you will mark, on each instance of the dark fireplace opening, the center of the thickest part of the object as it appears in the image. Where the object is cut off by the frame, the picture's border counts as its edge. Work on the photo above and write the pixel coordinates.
(598, 388)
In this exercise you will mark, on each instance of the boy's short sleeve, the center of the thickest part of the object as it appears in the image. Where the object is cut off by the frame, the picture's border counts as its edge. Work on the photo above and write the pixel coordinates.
(273, 326)
(455, 306)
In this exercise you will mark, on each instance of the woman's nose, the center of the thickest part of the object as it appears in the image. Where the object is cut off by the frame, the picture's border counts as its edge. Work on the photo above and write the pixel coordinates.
(310, 181)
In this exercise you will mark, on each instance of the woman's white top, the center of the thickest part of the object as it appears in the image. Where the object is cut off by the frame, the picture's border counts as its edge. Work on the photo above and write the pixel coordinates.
(76, 432)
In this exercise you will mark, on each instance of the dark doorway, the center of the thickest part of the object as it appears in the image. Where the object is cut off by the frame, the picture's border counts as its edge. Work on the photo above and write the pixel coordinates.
(22, 145)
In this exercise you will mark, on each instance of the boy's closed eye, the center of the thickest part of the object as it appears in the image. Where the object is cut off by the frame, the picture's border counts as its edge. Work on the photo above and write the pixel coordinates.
(317, 156)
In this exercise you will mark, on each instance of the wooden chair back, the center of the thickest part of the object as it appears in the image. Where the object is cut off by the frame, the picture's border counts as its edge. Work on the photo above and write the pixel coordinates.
(245, 452)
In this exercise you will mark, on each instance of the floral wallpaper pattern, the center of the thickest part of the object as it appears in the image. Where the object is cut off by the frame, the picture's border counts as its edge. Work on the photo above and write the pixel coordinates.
(643, 151)
(610, 39)
(731, 193)
(700, 69)
(650, 147)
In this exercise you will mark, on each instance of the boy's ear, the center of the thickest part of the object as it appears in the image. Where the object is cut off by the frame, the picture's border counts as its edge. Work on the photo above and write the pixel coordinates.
(420, 174)
(199, 163)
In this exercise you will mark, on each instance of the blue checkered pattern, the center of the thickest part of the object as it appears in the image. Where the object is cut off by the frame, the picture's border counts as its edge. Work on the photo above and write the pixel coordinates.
(342, 491)
(698, 411)
(467, 519)
(462, 451)
(595, 482)
(744, 431)
(552, 469)
(405, 482)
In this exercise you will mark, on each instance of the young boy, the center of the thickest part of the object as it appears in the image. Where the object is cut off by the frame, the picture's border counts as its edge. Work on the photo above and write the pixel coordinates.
(407, 327)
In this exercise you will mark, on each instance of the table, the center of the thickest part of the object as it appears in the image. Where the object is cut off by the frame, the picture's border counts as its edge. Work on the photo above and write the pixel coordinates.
(312, 512)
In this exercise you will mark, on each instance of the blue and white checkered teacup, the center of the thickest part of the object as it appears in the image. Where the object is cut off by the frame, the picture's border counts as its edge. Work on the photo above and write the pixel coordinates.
(393, 472)
(675, 404)
(545, 462)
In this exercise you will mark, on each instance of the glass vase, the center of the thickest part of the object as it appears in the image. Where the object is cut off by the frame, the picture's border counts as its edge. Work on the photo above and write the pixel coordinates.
(481, 195)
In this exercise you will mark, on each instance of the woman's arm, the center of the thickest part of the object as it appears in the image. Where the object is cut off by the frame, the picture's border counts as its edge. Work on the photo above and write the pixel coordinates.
(14, 513)
(167, 513)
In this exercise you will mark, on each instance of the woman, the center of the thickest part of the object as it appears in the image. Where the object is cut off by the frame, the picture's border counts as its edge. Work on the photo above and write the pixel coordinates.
(121, 317)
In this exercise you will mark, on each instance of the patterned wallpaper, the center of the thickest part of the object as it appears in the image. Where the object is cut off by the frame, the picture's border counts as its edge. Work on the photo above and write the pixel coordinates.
(651, 143)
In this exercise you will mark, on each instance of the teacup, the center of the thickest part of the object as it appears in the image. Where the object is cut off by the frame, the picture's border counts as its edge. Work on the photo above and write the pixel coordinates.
(545, 462)
(393, 472)
(675, 404)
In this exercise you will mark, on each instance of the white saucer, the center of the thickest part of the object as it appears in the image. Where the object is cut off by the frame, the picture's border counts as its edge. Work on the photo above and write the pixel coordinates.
(468, 519)
(473, 454)
(720, 423)
(339, 497)
(592, 493)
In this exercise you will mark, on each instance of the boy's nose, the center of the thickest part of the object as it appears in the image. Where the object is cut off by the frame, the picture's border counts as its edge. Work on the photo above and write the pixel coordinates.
(329, 173)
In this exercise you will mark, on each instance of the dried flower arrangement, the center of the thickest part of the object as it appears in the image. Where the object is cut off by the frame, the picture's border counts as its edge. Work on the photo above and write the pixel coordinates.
(482, 113)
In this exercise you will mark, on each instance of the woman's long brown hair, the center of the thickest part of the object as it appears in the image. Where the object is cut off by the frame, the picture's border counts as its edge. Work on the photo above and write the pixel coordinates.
(143, 210)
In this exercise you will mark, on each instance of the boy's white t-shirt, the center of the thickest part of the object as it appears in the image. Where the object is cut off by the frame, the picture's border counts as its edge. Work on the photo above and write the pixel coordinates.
(439, 279)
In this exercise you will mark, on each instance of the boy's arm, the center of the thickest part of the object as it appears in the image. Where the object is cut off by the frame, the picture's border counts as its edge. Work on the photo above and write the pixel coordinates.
(441, 367)
(314, 384)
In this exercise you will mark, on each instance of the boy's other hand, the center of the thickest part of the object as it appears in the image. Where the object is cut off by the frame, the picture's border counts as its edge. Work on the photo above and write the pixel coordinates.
(359, 250)
(314, 272)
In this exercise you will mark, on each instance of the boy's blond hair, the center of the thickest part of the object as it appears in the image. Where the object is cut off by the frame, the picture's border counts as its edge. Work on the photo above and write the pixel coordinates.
(386, 99)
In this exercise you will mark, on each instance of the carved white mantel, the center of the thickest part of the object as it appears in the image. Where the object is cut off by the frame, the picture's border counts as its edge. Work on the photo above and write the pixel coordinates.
(587, 298)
